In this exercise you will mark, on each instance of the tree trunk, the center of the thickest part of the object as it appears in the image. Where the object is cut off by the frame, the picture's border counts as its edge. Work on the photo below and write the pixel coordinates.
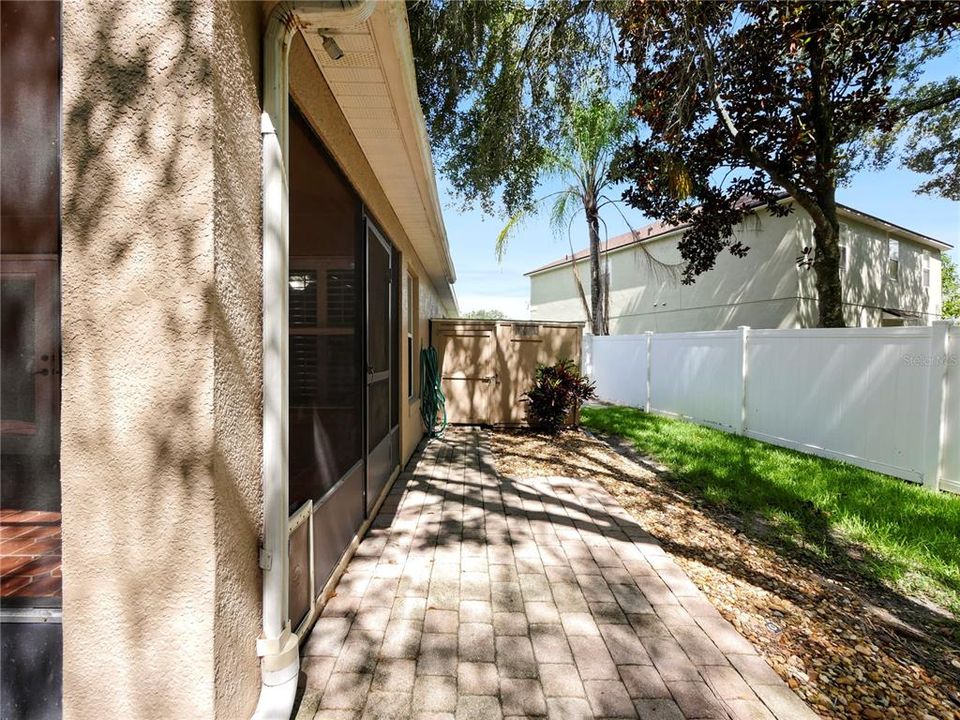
(826, 262)
(826, 227)
(598, 285)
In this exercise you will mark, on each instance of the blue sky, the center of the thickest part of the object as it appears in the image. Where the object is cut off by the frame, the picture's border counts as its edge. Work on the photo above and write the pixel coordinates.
(482, 282)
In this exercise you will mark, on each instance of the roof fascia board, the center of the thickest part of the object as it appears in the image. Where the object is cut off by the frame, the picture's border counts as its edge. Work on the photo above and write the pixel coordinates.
(391, 36)
(867, 219)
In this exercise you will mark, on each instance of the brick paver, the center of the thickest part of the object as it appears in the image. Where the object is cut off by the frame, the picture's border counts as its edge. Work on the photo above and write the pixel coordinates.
(476, 596)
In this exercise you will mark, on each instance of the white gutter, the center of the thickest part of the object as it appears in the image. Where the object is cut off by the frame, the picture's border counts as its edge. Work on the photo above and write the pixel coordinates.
(391, 32)
(277, 646)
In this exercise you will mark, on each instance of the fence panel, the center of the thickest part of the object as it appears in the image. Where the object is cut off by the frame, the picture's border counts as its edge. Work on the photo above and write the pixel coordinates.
(697, 375)
(950, 477)
(850, 394)
(870, 396)
(619, 367)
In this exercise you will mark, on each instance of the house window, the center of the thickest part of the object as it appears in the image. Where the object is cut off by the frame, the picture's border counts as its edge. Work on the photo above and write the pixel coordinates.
(341, 291)
(893, 258)
(412, 358)
(925, 259)
(844, 244)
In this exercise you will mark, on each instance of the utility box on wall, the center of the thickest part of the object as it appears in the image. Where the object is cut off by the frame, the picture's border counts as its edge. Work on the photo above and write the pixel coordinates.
(486, 366)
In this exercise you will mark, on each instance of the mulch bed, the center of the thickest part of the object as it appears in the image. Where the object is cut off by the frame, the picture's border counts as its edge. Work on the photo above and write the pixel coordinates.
(848, 645)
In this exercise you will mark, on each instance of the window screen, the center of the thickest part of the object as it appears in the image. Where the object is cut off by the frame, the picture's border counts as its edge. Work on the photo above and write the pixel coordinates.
(325, 382)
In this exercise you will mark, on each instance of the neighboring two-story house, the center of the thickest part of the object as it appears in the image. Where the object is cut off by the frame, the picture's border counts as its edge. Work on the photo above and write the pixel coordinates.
(891, 276)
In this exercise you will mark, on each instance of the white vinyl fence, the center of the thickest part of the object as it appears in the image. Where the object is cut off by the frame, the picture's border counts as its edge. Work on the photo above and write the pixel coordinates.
(887, 399)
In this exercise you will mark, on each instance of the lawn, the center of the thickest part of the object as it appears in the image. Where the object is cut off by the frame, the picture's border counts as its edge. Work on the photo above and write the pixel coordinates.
(898, 533)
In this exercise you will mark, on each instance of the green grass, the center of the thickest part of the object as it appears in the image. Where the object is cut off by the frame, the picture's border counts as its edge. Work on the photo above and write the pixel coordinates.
(910, 537)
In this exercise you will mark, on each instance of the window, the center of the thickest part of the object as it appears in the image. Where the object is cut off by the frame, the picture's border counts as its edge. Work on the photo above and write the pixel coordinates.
(412, 356)
(893, 258)
(925, 259)
(844, 244)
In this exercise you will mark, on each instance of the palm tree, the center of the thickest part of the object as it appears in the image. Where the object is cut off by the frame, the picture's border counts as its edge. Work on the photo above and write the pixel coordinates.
(593, 131)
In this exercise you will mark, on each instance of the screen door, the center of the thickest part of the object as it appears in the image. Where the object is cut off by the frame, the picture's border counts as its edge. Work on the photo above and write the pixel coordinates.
(380, 319)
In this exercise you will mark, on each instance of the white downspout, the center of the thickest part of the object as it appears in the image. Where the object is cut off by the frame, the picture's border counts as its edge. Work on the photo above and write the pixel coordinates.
(277, 646)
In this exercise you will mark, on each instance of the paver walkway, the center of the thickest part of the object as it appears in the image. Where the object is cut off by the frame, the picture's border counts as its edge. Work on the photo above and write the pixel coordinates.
(475, 596)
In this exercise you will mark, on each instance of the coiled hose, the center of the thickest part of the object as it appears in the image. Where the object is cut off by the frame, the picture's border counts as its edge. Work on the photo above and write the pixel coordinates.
(432, 401)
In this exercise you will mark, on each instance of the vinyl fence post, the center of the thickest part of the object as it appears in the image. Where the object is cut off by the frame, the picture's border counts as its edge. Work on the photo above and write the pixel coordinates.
(649, 335)
(933, 439)
(744, 334)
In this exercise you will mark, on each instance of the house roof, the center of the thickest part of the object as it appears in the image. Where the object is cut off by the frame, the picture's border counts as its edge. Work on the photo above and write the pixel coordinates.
(660, 229)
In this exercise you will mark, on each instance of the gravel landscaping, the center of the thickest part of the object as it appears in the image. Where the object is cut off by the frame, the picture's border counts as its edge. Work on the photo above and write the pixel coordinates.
(850, 645)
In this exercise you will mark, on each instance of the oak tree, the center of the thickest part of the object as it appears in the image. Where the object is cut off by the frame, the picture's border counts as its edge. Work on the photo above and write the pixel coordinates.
(746, 101)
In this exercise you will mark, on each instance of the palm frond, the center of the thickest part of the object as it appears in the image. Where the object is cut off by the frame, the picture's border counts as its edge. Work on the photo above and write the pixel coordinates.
(504, 235)
(564, 209)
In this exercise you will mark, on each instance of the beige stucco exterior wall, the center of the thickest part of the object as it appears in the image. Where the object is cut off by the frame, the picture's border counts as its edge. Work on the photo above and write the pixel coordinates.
(313, 96)
(161, 342)
(765, 289)
(162, 446)
(236, 314)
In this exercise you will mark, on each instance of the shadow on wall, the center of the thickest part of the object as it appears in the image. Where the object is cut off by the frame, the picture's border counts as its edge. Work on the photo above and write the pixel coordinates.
(758, 290)
(161, 342)
(868, 286)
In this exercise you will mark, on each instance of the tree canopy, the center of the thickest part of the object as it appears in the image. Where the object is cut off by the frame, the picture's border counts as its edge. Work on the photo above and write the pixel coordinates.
(924, 126)
(496, 80)
(485, 315)
(747, 101)
(950, 282)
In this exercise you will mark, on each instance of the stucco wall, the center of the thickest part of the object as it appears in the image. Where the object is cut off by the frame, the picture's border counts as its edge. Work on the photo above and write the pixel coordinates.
(765, 289)
(429, 307)
(236, 316)
(867, 286)
(161, 421)
(162, 446)
(759, 290)
(313, 96)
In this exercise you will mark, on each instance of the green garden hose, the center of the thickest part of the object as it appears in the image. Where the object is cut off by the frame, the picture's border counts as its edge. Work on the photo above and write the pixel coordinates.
(432, 401)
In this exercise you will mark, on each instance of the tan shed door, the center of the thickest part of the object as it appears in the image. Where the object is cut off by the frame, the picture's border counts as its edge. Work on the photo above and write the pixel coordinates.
(470, 371)
(522, 347)
(486, 368)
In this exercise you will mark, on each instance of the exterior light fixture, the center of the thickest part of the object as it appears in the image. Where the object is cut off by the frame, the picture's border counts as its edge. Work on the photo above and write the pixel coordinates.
(332, 48)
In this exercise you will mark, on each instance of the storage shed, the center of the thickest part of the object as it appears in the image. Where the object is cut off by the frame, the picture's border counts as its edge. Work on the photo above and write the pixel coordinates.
(486, 366)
